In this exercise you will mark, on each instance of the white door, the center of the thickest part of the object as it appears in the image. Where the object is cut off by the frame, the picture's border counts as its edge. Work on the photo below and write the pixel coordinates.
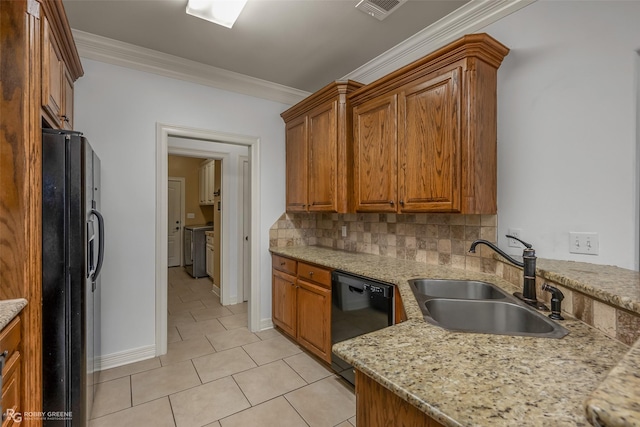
(246, 230)
(175, 226)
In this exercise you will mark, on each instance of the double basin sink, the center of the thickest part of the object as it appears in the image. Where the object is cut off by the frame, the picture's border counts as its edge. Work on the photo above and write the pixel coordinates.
(481, 307)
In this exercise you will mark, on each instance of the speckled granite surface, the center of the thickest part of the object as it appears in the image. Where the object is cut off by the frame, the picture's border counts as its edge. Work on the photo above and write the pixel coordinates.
(465, 379)
(615, 285)
(9, 309)
(616, 402)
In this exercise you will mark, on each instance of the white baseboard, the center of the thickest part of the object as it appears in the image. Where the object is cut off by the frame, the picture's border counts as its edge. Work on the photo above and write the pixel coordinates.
(114, 360)
(216, 291)
(266, 324)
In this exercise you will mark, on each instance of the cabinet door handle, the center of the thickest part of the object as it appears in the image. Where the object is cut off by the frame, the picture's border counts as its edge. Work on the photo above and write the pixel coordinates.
(401, 202)
(282, 263)
(391, 202)
(311, 273)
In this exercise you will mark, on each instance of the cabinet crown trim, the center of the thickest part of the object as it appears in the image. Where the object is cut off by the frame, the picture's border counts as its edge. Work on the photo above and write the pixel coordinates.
(54, 11)
(481, 46)
(327, 93)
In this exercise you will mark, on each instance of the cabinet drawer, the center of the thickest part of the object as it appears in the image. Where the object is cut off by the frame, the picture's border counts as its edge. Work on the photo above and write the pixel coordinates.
(209, 240)
(284, 264)
(11, 389)
(10, 338)
(314, 273)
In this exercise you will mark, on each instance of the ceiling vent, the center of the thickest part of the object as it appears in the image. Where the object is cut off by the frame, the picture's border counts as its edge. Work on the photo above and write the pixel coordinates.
(379, 9)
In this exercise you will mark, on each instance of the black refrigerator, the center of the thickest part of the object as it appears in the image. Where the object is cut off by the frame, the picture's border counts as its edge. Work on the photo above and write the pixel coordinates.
(72, 257)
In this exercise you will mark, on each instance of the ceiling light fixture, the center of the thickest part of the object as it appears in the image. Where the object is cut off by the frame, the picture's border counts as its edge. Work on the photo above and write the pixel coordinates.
(221, 12)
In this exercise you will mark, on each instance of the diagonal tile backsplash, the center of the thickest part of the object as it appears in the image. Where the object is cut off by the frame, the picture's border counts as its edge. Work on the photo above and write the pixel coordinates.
(436, 239)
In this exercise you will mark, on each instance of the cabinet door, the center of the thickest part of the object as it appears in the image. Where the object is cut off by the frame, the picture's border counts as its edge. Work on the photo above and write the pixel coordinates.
(67, 112)
(52, 76)
(209, 261)
(202, 191)
(323, 151)
(211, 179)
(296, 141)
(314, 319)
(375, 155)
(429, 145)
(283, 300)
(377, 406)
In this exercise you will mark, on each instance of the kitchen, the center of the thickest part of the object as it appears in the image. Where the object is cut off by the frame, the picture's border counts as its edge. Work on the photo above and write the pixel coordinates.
(554, 122)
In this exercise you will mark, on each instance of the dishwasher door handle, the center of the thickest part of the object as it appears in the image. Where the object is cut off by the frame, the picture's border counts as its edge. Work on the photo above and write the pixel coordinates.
(354, 289)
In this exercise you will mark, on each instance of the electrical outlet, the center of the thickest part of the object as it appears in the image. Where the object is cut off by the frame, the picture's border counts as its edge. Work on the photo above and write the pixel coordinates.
(584, 243)
(515, 232)
(344, 231)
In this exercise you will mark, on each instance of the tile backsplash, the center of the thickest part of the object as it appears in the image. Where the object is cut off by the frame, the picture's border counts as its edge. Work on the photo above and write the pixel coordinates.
(617, 323)
(435, 239)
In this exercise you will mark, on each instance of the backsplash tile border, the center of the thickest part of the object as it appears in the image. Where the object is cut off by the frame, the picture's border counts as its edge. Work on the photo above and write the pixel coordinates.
(434, 239)
(615, 322)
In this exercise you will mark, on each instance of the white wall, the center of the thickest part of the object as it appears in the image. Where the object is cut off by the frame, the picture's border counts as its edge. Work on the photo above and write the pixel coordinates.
(567, 123)
(117, 109)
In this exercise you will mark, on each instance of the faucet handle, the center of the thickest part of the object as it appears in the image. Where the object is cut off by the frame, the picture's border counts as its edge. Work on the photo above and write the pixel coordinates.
(527, 245)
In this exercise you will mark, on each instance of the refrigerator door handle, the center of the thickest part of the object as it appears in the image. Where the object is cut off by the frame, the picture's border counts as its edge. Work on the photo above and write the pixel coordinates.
(98, 215)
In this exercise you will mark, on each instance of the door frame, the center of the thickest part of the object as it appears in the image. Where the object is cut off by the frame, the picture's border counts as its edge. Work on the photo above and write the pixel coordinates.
(241, 265)
(163, 132)
(182, 215)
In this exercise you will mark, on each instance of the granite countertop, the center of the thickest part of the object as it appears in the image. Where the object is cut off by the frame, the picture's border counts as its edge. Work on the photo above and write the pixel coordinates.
(9, 309)
(615, 285)
(464, 379)
(616, 401)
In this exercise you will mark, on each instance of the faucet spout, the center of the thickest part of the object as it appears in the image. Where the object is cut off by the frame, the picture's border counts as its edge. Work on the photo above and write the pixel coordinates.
(528, 265)
(472, 249)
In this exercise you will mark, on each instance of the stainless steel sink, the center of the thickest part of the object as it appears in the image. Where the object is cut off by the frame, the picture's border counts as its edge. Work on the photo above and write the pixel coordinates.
(464, 289)
(481, 307)
(493, 317)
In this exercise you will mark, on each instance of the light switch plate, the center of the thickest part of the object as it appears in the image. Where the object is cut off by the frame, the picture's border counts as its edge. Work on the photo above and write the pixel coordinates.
(191, 215)
(584, 243)
(515, 232)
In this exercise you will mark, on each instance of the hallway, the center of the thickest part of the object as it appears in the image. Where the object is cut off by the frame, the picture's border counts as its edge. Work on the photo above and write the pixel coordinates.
(217, 373)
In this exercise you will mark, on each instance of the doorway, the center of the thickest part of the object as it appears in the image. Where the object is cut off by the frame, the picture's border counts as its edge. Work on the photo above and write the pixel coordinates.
(176, 197)
(199, 143)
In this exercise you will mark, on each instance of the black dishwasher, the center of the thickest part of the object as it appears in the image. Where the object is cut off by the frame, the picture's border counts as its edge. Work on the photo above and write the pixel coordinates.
(359, 305)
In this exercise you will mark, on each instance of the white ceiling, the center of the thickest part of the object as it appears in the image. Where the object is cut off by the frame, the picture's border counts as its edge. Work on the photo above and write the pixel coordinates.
(303, 44)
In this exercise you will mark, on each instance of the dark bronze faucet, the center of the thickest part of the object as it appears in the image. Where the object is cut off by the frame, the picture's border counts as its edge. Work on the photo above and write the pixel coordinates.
(528, 265)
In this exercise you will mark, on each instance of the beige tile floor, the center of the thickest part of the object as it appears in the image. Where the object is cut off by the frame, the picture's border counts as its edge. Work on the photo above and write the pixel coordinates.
(218, 373)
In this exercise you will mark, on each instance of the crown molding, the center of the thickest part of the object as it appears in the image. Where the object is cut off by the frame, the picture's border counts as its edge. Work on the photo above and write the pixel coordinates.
(127, 55)
(468, 19)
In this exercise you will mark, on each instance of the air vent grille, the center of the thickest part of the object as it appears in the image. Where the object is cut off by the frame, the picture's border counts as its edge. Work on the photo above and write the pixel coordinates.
(385, 5)
(379, 9)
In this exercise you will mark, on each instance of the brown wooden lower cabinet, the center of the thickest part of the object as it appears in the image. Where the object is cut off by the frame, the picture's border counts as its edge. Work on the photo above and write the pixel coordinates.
(377, 406)
(301, 304)
(314, 319)
(10, 338)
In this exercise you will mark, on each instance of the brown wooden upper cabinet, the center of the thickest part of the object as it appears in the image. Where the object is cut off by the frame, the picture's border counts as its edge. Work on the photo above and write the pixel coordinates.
(57, 83)
(319, 147)
(425, 135)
